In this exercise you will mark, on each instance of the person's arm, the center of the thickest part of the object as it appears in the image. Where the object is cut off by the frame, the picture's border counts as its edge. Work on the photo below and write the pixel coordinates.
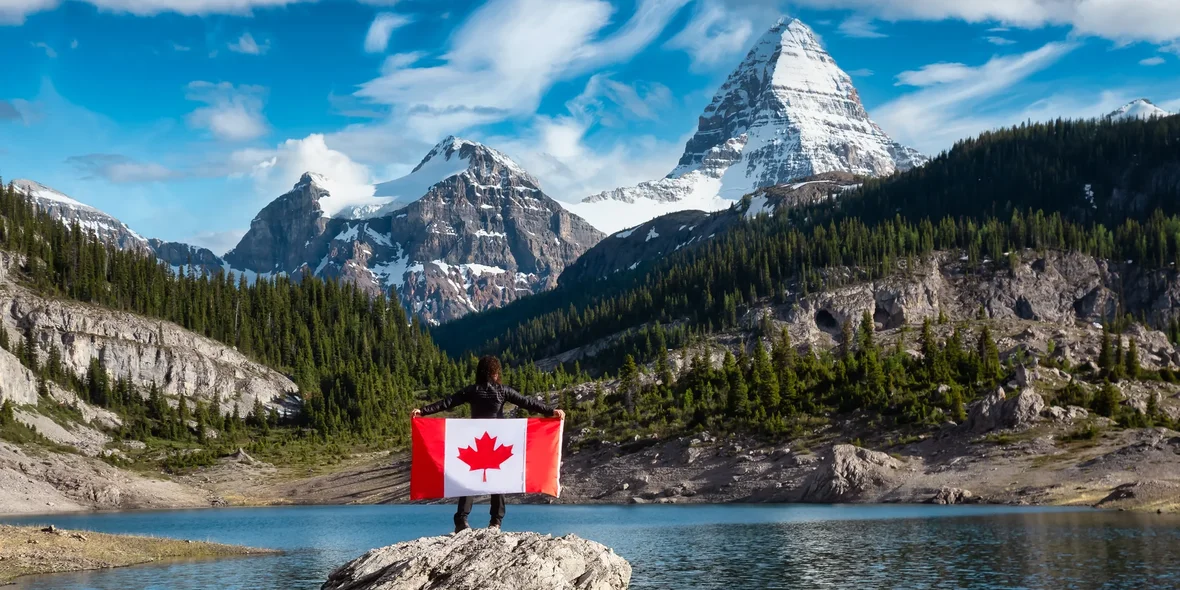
(443, 404)
(531, 404)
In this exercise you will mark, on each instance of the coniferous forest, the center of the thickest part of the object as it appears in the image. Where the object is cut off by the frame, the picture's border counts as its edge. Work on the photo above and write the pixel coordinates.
(361, 363)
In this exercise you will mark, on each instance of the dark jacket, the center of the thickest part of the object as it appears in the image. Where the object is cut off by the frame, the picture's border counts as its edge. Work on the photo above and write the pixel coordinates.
(487, 401)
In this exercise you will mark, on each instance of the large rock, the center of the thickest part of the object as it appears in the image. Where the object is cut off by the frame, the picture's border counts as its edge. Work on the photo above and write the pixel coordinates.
(1022, 410)
(994, 411)
(849, 473)
(987, 413)
(486, 559)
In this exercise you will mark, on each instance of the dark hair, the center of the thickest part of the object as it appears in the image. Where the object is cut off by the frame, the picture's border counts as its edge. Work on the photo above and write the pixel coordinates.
(488, 370)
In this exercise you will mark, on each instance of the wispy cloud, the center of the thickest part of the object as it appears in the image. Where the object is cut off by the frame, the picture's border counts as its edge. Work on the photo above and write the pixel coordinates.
(612, 102)
(994, 40)
(860, 26)
(377, 39)
(956, 100)
(15, 11)
(49, 51)
(247, 45)
(1152, 61)
(74, 44)
(178, 47)
(861, 73)
(233, 113)
(939, 73)
(714, 35)
(119, 169)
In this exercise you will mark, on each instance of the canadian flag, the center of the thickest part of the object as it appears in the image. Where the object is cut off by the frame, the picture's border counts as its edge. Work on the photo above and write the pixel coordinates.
(453, 457)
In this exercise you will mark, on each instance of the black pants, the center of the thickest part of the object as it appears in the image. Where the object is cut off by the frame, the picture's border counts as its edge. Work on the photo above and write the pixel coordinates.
(497, 511)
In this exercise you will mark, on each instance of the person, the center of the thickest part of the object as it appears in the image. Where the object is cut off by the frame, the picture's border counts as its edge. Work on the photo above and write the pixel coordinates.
(486, 398)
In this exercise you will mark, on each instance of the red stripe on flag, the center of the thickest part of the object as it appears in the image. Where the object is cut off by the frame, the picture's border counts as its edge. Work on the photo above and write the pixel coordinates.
(427, 453)
(543, 457)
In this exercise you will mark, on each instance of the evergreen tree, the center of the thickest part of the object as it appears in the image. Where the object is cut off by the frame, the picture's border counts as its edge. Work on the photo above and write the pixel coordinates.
(1106, 403)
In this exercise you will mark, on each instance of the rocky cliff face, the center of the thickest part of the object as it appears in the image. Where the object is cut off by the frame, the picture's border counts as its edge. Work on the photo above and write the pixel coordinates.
(144, 350)
(486, 559)
(787, 112)
(180, 256)
(467, 230)
(685, 230)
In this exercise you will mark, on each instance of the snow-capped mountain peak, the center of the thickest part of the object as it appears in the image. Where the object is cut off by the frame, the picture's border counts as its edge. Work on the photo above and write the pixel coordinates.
(1138, 109)
(786, 112)
(39, 192)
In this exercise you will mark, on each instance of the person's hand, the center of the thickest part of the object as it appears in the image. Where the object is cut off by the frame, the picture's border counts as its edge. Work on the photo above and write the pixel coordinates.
(416, 413)
(559, 414)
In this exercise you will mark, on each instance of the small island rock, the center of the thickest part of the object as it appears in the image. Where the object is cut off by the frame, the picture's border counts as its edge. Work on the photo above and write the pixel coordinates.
(486, 559)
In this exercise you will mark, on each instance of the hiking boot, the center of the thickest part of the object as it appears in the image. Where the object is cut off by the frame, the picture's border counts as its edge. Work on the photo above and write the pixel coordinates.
(461, 524)
(495, 524)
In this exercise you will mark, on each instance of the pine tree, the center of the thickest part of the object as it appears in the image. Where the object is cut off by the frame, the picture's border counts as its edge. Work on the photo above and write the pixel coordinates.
(1106, 403)
(7, 413)
(1105, 355)
(629, 382)
(1131, 361)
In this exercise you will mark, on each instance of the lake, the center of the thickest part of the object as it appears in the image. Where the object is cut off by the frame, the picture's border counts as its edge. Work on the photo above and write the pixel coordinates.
(711, 547)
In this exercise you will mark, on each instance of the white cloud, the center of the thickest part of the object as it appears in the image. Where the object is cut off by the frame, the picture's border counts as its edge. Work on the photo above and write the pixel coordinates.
(49, 51)
(179, 47)
(634, 101)
(509, 52)
(234, 113)
(382, 28)
(119, 169)
(995, 40)
(860, 26)
(218, 242)
(15, 11)
(1157, 21)
(862, 73)
(1152, 61)
(275, 171)
(961, 101)
(555, 150)
(715, 35)
(247, 45)
(939, 73)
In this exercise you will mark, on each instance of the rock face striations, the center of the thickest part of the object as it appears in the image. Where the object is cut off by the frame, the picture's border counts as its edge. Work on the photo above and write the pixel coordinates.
(486, 559)
(787, 112)
(466, 230)
(144, 350)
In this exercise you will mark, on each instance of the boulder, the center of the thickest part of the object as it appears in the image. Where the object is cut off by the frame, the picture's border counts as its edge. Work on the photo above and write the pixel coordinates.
(987, 413)
(949, 495)
(486, 559)
(1022, 410)
(849, 473)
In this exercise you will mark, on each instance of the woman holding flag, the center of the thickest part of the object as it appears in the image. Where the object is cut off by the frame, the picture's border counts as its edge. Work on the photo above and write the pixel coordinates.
(486, 399)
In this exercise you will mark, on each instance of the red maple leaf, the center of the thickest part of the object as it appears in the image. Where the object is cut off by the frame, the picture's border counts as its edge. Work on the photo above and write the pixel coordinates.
(486, 455)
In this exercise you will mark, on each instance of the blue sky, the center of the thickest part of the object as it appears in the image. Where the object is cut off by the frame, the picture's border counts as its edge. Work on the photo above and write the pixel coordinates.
(185, 117)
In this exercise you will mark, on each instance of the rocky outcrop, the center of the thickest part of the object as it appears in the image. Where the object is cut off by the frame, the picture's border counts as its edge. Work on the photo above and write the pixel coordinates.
(848, 473)
(995, 411)
(486, 559)
(1021, 411)
(949, 495)
(988, 413)
(144, 350)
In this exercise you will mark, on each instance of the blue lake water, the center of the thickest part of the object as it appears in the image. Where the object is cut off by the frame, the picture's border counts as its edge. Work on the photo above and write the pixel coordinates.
(730, 547)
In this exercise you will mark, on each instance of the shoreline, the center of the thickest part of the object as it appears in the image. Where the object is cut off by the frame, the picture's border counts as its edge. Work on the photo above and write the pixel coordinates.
(28, 550)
